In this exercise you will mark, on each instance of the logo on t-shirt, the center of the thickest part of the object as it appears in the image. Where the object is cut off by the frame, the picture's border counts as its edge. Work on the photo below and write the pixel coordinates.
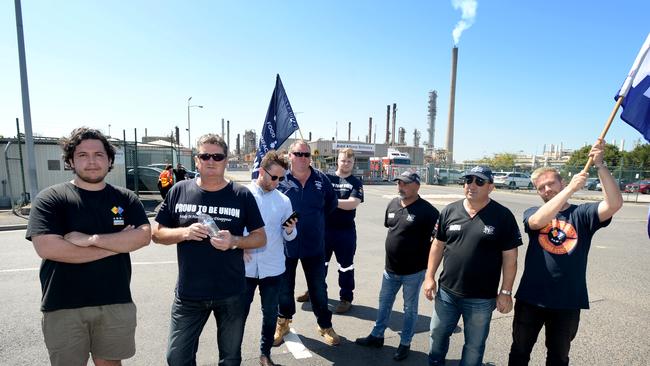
(118, 220)
(488, 230)
(410, 217)
(454, 227)
(558, 237)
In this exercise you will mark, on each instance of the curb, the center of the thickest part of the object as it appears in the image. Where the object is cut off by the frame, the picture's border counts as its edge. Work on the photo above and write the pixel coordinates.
(13, 227)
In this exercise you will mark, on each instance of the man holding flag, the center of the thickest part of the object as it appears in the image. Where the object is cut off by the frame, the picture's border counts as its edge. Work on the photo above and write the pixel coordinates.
(553, 287)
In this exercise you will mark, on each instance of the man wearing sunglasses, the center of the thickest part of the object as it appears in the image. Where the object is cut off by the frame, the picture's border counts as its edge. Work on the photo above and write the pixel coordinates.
(411, 222)
(313, 197)
(211, 276)
(553, 287)
(340, 230)
(477, 238)
(265, 265)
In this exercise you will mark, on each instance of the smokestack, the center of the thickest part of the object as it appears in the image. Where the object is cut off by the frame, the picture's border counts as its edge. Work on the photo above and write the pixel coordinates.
(222, 129)
(309, 136)
(228, 132)
(433, 110)
(238, 150)
(401, 136)
(452, 105)
(369, 129)
(349, 131)
(392, 137)
(387, 123)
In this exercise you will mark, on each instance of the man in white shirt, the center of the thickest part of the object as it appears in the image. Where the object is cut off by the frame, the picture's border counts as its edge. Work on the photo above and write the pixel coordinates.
(265, 265)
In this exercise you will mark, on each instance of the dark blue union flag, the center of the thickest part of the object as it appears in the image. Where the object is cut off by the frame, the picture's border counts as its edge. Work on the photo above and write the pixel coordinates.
(279, 124)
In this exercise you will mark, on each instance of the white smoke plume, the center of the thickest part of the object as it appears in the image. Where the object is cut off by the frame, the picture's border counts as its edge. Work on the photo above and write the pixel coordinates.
(468, 9)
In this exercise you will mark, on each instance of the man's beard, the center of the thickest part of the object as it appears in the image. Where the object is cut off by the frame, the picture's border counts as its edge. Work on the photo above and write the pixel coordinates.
(89, 179)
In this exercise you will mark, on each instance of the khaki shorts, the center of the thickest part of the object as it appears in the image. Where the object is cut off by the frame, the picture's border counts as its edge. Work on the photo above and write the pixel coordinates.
(107, 332)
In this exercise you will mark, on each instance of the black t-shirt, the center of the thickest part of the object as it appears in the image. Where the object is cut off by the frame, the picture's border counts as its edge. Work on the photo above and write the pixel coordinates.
(410, 231)
(345, 188)
(204, 272)
(472, 256)
(556, 259)
(64, 208)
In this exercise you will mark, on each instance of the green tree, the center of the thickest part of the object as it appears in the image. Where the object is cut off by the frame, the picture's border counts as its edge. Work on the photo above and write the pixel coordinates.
(579, 157)
(503, 161)
(639, 157)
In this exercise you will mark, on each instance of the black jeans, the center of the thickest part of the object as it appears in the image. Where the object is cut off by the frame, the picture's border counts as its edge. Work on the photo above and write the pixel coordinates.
(342, 243)
(188, 320)
(561, 327)
(269, 295)
(314, 268)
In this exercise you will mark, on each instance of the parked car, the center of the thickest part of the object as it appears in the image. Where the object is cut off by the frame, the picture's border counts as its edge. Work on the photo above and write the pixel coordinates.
(641, 186)
(620, 182)
(591, 184)
(446, 175)
(147, 178)
(512, 180)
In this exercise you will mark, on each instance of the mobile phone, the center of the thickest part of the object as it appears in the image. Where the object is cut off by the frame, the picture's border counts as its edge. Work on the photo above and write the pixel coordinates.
(294, 215)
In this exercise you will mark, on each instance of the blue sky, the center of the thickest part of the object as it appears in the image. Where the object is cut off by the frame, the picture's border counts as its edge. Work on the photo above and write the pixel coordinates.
(529, 73)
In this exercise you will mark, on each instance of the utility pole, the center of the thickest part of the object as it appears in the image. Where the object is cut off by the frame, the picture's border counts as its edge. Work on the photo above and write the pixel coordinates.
(27, 115)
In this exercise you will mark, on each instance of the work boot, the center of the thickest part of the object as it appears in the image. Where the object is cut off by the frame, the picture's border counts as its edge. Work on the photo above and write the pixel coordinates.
(303, 298)
(370, 341)
(266, 361)
(281, 329)
(343, 307)
(401, 353)
(329, 336)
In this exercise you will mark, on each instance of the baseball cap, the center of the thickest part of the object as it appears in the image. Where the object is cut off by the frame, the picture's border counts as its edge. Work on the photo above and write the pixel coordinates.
(481, 172)
(408, 177)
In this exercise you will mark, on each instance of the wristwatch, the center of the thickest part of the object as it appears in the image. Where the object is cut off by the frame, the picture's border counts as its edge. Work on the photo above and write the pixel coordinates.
(505, 292)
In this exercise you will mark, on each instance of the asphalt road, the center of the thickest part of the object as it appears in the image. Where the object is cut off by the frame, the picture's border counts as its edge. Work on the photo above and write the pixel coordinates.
(613, 331)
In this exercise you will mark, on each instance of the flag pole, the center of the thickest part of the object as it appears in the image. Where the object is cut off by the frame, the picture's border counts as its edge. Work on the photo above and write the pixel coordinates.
(607, 125)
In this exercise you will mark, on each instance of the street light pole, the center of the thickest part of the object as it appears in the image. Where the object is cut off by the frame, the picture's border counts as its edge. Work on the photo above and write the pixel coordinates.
(189, 136)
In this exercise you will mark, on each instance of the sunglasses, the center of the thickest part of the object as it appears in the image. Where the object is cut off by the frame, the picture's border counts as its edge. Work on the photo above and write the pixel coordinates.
(301, 154)
(273, 177)
(215, 157)
(472, 179)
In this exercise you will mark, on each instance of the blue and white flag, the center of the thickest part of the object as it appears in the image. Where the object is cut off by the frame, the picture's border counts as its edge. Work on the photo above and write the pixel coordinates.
(279, 124)
(636, 93)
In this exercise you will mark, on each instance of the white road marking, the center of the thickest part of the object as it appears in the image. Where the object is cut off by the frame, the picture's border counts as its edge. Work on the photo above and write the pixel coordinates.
(36, 269)
(295, 346)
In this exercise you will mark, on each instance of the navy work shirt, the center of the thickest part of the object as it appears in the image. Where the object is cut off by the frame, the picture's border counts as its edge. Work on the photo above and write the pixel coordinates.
(313, 202)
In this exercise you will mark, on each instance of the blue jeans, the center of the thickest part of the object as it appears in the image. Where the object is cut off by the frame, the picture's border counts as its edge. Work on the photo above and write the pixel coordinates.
(314, 268)
(390, 285)
(188, 320)
(477, 314)
(269, 294)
